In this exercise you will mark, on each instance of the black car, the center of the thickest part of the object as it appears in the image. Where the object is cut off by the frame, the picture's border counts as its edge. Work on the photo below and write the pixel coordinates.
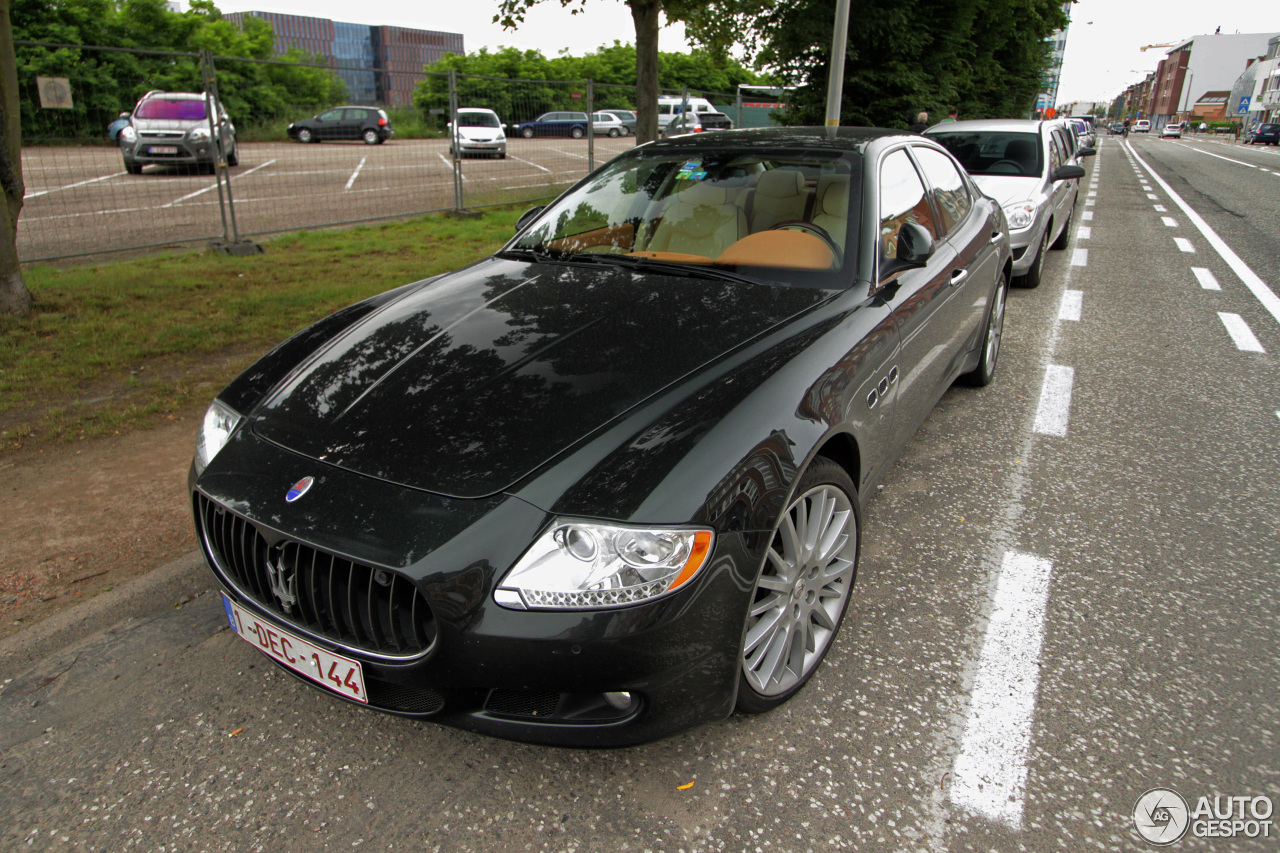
(607, 484)
(366, 123)
(1265, 134)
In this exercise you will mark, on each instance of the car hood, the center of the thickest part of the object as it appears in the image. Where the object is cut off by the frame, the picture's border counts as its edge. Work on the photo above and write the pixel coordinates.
(1008, 189)
(471, 382)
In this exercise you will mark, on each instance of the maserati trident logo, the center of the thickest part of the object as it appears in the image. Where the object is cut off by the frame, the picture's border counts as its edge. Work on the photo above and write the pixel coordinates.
(284, 580)
(299, 489)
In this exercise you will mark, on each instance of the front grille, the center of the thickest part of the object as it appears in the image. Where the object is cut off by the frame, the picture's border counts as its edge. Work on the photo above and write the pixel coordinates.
(360, 607)
(518, 703)
(402, 699)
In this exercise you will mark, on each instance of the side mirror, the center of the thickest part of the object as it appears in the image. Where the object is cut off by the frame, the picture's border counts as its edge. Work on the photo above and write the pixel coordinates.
(914, 245)
(528, 216)
(1066, 173)
(1086, 152)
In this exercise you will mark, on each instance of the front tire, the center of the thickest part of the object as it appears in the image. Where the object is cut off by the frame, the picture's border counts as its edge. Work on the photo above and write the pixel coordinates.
(233, 159)
(305, 136)
(1035, 273)
(985, 371)
(1064, 237)
(133, 167)
(527, 132)
(802, 591)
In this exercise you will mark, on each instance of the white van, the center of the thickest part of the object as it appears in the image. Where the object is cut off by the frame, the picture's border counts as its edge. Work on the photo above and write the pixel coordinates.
(712, 119)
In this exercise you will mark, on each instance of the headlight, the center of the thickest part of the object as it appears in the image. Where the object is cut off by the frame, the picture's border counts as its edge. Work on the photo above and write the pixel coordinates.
(200, 134)
(218, 424)
(1020, 215)
(578, 565)
(127, 133)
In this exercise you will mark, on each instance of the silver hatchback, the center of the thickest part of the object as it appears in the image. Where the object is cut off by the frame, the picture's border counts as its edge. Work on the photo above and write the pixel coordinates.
(1033, 169)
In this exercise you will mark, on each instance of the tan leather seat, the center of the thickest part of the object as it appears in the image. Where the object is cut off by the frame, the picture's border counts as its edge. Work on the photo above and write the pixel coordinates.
(780, 196)
(831, 211)
(699, 221)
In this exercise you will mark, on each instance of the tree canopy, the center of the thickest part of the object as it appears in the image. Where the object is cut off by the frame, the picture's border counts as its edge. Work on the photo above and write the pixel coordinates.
(984, 57)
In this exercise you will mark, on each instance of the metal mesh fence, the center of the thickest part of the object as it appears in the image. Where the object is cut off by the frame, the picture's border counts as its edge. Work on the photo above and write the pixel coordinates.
(299, 145)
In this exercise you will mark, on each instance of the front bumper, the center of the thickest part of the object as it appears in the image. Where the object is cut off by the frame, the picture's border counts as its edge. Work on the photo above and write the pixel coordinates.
(180, 152)
(534, 676)
(498, 146)
(1025, 244)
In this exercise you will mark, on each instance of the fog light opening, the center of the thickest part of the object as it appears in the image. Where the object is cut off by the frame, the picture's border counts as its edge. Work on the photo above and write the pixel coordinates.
(621, 700)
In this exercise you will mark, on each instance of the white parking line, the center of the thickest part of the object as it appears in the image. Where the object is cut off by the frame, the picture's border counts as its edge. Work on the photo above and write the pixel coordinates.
(214, 185)
(1054, 409)
(1071, 306)
(1206, 279)
(352, 179)
(1185, 245)
(39, 193)
(1240, 332)
(991, 769)
(1256, 285)
(527, 163)
(1080, 258)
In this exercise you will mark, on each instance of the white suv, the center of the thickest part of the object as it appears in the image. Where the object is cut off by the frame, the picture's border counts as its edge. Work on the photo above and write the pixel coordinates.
(1142, 126)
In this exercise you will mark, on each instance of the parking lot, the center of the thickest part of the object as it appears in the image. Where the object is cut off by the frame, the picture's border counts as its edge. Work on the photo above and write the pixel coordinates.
(81, 201)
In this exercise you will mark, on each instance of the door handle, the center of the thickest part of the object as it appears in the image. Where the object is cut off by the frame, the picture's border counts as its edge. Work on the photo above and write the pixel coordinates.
(958, 276)
(995, 237)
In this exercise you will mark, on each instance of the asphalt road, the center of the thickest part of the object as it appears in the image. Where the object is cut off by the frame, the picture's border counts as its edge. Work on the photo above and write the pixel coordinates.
(1068, 596)
(81, 200)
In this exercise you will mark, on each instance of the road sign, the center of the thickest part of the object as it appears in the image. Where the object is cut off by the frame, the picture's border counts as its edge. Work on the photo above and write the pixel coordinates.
(1244, 105)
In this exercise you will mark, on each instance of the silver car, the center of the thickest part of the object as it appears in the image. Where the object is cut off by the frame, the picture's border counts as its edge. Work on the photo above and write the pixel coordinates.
(1033, 169)
(174, 129)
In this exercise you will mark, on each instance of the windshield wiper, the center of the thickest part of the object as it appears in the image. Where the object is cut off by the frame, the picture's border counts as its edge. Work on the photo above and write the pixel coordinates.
(667, 267)
(538, 254)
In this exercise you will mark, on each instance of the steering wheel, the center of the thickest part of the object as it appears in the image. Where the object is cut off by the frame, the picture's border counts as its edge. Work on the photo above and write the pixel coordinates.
(1013, 164)
(818, 231)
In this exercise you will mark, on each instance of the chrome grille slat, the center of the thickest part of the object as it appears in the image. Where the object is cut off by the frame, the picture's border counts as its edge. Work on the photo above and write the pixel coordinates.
(335, 598)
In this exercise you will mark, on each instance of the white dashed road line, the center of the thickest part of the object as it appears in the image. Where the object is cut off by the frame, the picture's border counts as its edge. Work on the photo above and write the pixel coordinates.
(991, 769)
(1080, 258)
(1054, 410)
(1206, 279)
(1169, 221)
(1185, 245)
(1240, 333)
(1071, 306)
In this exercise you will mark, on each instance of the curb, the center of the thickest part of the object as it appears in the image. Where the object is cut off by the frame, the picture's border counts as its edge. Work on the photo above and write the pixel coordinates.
(169, 586)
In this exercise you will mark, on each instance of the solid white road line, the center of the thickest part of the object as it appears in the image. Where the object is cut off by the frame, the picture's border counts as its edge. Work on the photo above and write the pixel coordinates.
(1054, 409)
(1240, 332)
(1220, 157)
(352, 179)
(1206, 279)
(1185, 245)
(1080, 258)
(991, 770)
(1072, 303)
(1256, 285)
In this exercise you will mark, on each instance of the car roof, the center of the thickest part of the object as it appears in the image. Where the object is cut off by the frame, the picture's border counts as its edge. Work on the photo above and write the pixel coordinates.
(1023, 125)
(772, 138)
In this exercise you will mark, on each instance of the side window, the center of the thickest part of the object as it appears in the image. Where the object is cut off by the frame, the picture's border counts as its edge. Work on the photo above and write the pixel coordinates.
(902, 200)
(331, 115)
(355, 115)
(949, 187)
(1057, 151)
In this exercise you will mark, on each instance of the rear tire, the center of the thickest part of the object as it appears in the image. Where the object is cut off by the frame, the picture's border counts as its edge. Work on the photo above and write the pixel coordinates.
(371, 137)
(802, 591)
(985, 371)
(576, 133)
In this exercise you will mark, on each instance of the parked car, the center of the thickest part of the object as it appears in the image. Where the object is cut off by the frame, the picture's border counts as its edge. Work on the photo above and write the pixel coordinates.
(558, 123)
(174, 129)
(627, 117)
(1033, 169)
(1085, 135)
(708, 115)
(680, 124)
(366, 123)
(1264, 134)
(1141, 126)
(1172, 130)
(499, 499)
(607, 124)
(478, 131)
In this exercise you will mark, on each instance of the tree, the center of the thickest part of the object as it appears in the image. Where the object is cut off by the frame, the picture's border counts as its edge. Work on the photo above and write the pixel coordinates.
(14, 296)
(985, 57)
(715, 24)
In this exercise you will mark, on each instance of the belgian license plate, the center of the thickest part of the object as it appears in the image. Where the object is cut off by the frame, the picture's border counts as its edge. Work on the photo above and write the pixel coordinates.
(164, 149)
(340, 674)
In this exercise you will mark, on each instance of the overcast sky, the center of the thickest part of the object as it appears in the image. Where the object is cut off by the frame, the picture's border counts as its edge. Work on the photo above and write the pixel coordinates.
(1102, 55)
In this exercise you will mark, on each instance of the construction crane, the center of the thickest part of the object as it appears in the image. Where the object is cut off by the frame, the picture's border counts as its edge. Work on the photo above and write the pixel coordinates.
(1149, 46)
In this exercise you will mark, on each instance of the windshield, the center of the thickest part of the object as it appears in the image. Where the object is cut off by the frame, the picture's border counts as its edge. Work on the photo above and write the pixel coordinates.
(992, 152)
(478, 120)
(177, 110)
(783, 216)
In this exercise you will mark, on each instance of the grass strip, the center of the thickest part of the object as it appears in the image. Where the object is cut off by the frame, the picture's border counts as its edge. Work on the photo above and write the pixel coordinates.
(115, 346)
